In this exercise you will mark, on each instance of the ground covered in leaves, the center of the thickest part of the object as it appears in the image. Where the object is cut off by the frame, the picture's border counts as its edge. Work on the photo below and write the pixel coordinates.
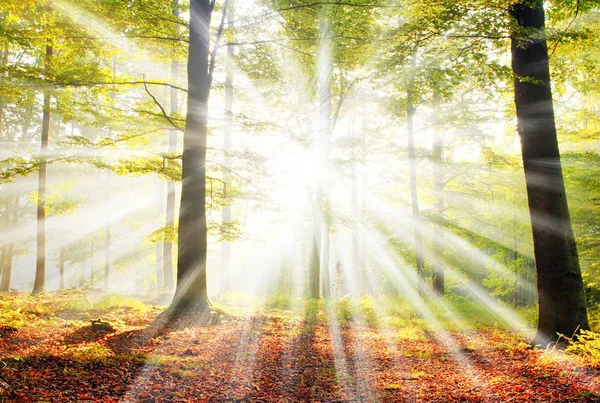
(50, 352)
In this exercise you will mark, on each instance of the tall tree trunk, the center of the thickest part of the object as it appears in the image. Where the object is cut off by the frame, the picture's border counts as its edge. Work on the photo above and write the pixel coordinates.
(7, 250)
(559, 282)
(314, 279)
(324, 88)
(438, 231)
(515, 261)
(4, 249)
(159, 246)
(107, 194)
(4, 62)
(107, 231)
(412, 162)
(61, 268)
(13, 222)
(92, 258)
(167, 273)
(191, 292)
(39, 284)
(3, 265)
(355, 219)
(226, 214)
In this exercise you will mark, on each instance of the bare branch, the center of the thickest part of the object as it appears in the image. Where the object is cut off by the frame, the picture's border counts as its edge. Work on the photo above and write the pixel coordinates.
(105, 38)
(213, 55)
(92, 84)
(162, 109)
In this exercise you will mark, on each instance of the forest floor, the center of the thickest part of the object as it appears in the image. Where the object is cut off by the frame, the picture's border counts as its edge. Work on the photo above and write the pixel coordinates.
(50, 352)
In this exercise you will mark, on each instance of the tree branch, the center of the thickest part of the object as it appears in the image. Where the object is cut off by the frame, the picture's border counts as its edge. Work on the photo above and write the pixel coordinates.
(213, 55)
(93, 83)
(162, 109)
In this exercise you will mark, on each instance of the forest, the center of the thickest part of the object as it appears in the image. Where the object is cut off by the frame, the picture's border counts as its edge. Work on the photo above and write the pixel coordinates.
(299, 201)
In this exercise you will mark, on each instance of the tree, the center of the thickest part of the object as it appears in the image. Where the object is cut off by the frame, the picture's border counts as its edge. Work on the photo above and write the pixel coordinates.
(412, 161)
(40, 269)
(226, 214)
(167, 273)
(191, 290)
(11, 220)
(560, 287)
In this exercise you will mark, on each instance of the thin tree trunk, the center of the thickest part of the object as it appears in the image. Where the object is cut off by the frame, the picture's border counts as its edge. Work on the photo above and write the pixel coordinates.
(61, 268)
(39, 284)
(191, 292)
(355, 221)
(363, 256)
(81, 276)
(314, 280)
(167, 274)
(159, 246)
(4, 62)
(3, 264)
(226, 214)
(107, 231)
(7, 271)
(438, 232)
(515, 260)
(7, 250)
(92, 258)
(412, 161)
(107, 226)
(324, 87)
(560, 287)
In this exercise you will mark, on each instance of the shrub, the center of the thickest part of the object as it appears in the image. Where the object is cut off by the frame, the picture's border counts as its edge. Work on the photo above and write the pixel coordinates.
(586, 346)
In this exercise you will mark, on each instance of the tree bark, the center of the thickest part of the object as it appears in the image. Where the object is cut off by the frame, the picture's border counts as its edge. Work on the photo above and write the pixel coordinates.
(191, 291)
(559, 282)
(39, 284)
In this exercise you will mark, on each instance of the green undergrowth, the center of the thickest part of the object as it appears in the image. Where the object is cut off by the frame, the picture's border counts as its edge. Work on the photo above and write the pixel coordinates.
(18, 309)
(408, 317)
(587, 347)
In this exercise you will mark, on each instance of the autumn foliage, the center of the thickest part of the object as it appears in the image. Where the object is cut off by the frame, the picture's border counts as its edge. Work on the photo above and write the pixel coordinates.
(51, 352)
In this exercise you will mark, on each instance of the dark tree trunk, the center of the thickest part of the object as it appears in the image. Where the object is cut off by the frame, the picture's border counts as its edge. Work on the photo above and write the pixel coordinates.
(438, 231)
(191, 291)
(226, 214)
(39, 284)
(167, 273)
(560, 286)
(412, 162)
